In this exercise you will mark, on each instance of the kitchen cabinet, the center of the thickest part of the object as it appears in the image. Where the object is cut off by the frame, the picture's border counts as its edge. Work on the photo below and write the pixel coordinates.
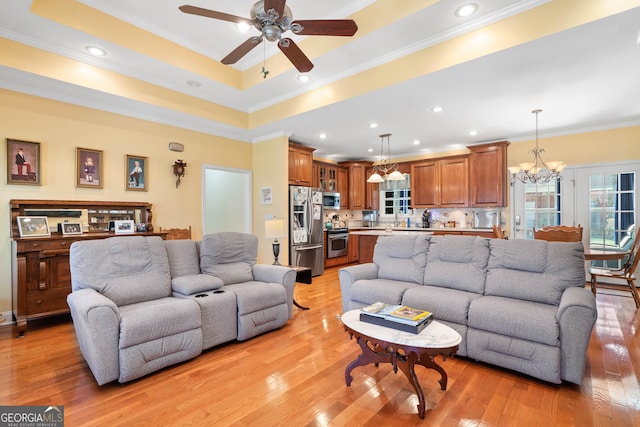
(352, 248)
(327, 176)
(300, 164)
(41, 278)
(372, 196)
(440, 182)
(366, 245)
(343, 187)
(357, 182)
(488, 174)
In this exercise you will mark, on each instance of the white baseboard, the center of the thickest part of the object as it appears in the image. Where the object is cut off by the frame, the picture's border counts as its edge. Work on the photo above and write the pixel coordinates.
(6, 318)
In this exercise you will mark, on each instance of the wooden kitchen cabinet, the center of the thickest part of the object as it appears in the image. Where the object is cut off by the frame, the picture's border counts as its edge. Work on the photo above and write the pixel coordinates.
(357, 183)
(300, 164)
(326, 176)
(352, 248)
(372, 196)
(440, 182)
(343, 187)
(41, 273)
(366, 245)
(488, 174)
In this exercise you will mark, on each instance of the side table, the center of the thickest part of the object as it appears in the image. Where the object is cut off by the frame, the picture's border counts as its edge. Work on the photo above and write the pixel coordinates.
(303, 275)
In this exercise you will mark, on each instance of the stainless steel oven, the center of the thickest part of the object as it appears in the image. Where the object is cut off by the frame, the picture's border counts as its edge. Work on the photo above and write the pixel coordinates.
(337, 243)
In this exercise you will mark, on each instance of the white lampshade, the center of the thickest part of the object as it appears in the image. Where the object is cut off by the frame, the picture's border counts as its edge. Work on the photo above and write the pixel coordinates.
(514, 169)
(395, 176)
(274, 228)
(375, 178)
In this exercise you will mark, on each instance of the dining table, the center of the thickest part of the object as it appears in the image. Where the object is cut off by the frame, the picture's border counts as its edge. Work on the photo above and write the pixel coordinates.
(598, 253)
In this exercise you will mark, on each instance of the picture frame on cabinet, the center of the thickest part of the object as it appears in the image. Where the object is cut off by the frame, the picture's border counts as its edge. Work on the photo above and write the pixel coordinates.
(23, 162)
(71, 228)
(124, 227)
(33, 226)
(136, 173)
(89, 168)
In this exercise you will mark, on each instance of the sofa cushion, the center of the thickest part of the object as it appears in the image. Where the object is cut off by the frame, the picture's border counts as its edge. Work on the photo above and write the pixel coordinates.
(195, 283)
(183, 257)
(446, 304)
(535, 270)
(457, 262)
(526, 320)
(368, 291)
(401, 257)
(126, 269)
(229, 256)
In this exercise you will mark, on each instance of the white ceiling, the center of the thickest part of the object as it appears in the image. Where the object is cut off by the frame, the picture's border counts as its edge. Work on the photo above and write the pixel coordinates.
(583, 78)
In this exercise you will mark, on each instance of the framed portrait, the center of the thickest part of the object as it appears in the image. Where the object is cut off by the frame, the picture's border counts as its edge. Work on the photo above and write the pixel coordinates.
(69, 228)
(136, 173)
(124, 227)
(89, 168)
(33, 226)
(23, 162)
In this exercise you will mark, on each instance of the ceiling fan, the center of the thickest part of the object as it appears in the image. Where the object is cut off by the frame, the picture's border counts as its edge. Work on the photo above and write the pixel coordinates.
(272, 18)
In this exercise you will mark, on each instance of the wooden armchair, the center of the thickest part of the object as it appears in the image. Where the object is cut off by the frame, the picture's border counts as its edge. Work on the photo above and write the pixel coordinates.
(177, 233)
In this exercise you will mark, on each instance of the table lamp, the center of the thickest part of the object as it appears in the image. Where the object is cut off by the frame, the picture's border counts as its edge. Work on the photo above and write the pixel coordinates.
(274, 228)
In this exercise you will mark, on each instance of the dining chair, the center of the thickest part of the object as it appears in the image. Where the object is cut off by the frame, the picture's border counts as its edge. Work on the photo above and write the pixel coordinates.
(627, 272)
(565, 228)
(497, 231)
(177, 233)
(557, 235)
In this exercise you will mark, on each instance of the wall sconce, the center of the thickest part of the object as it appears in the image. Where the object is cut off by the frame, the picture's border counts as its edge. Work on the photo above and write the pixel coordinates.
(179, 168)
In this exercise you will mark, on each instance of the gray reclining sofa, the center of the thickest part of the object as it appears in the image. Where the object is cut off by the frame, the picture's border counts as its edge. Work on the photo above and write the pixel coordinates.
(140, 303)
(518, 304)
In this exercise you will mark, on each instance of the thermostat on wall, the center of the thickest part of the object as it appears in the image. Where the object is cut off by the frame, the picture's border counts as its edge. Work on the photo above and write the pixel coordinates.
(176, 146)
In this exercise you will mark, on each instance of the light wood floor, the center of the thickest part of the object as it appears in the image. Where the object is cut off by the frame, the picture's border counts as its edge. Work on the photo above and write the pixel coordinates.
(295, 377)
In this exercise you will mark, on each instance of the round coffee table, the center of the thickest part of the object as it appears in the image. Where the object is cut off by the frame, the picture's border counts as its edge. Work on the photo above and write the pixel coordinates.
(402, 350)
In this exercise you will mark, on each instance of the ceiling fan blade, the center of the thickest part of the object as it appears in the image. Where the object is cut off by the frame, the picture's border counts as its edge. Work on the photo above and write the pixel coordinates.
(277, 5)
(194, 10)
(241, 50)
(325, 27)
(295, 55)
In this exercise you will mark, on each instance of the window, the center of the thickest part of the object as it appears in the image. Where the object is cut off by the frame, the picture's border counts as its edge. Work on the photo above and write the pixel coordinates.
(611, 207)
(396, 201)
(541, 206)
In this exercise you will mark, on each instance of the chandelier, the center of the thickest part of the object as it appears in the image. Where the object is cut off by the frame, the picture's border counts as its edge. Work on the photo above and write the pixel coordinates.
(537, 171)
(385, 166)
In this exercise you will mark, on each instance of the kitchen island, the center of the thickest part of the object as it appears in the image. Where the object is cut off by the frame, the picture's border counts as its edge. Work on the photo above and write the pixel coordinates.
(367, 237)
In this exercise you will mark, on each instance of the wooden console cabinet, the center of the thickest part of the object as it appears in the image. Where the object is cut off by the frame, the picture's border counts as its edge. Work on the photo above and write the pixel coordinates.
(41, 278)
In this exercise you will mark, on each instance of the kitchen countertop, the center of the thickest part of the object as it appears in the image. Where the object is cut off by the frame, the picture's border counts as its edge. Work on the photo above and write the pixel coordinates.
(381, 231)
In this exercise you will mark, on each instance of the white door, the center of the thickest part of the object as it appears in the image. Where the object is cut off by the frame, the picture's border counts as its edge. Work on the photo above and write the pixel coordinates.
(226, 200)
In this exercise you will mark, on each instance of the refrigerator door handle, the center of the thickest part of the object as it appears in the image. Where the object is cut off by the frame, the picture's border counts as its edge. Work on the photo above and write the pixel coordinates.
(308, 248)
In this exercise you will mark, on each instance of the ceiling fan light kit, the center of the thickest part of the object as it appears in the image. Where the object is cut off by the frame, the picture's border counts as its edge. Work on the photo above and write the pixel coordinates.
(273, 18)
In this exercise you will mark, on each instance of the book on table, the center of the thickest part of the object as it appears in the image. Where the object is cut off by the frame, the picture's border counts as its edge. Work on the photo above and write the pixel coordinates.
(396, 316)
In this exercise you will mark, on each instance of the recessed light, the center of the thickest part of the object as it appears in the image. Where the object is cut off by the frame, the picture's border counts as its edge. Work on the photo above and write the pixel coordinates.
(370, 150)
(304, 78)
(466, 10)
(416, 142)
(473, 132)
(437, 109)
(373, 125)
(243, 27)
(322, 135)
(193, 83)
(95, 50)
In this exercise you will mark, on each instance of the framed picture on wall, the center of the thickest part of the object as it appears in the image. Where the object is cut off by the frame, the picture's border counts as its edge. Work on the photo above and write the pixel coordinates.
(137, 173)
(23, 162)
(89, 168)
(33, 226)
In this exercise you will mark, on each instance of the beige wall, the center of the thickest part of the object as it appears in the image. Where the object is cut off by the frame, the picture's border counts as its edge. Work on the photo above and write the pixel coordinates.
(60, 128)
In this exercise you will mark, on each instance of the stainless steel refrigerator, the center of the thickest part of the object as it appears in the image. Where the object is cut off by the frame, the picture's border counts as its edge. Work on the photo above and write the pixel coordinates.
(306, 233)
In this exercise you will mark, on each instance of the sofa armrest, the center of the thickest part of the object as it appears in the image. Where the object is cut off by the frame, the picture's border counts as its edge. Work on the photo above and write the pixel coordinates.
(576, 316)
(349, 275)
(96, 320)
(285, 276)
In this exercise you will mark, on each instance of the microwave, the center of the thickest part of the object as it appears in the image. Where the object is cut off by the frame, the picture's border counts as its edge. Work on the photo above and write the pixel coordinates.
(330, 200)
